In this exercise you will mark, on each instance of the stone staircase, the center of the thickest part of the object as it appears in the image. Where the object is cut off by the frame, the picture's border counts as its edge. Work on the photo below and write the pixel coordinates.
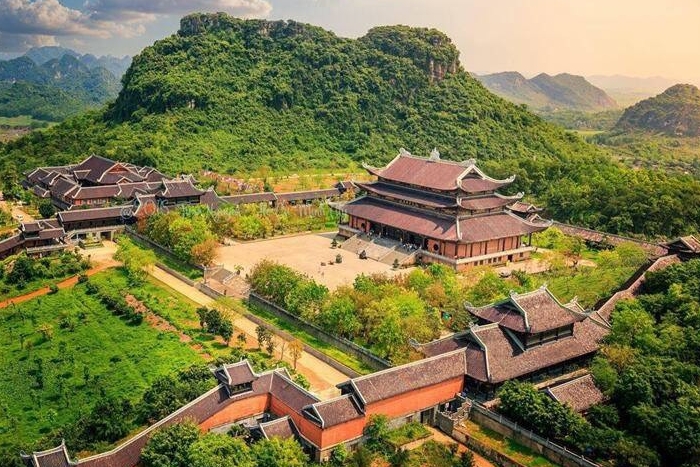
(384, 250)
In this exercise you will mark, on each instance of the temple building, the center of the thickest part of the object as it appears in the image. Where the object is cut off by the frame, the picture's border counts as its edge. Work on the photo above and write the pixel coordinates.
(98, 182)
(528, 336)
(451, 212)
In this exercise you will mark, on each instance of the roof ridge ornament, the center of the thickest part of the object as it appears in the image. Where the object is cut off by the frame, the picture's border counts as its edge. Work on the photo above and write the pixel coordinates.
(404, 152)
(434, 155)
(469, 162)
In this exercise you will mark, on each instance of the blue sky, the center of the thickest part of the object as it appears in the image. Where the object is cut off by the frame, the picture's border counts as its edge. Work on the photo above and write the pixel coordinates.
(631, 37)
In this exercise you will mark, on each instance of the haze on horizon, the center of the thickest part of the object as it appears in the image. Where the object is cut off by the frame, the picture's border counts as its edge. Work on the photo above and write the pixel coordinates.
(594, 37)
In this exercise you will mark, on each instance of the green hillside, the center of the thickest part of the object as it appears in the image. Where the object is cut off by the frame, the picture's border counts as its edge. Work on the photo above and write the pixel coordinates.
(674, 112)
(545, 93)
(232, 95)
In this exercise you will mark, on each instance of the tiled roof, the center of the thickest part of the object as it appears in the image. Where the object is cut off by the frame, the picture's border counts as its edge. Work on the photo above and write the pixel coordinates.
(493, 356)
(56, 457)
(250, 198)
(95, 192)
(688, 243)
(530, 312)
(292, 395)
(416, 375)
(93, 168)
(485, 202)
(406, 194)
(308, 195)
(63, 187)
(338, 410)
(403, 218)
(418, 171)
(95, 214)
(179, 189)
(580, 394)
(500, 225)
(524, 208)
(283, 428)
(480, 185)
(41, 192)
(236, 373)
(10, 243)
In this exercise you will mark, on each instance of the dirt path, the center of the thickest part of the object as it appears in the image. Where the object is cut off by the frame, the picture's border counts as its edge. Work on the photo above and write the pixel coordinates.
(441, 437)
(321, 376)
(70, 282)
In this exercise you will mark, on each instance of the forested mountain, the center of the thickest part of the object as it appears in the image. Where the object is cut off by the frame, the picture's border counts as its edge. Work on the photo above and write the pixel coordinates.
(233, 95)
(674, 112)
(549, 93)
(54, 90)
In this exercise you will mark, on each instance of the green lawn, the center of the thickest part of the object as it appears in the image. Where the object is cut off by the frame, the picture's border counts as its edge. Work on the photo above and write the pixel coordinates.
(101, 353)
(22, 121)
(589, 284)
(185, 269)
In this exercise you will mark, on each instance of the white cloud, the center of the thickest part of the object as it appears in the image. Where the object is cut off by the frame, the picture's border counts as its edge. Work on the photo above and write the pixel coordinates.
(22, 42)
(27, 23)
(118, 9)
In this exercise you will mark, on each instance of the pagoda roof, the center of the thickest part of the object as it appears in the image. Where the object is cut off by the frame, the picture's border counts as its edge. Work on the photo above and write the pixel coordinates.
(531, 312)
(468, 230)
(408, 194)
(494, 354)
(524, 208)
(492, 201)
(437, 174)
(404, 218)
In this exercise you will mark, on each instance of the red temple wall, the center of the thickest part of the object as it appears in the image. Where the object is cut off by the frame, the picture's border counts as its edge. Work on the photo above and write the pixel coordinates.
(311, 431)
(394, 407)
(238, 410)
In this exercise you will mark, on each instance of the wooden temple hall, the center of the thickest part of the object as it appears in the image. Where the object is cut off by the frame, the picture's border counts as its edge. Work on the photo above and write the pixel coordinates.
(450, 212)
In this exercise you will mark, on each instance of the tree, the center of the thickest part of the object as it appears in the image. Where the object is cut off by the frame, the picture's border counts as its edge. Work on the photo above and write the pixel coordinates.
(241, 339)
(263, 335)
(137, 261)
(202, 313)
(377, 433)
(220, 450)
(46, 209)
(170, 446)
(296, 348)
(204, 253)
(277, 452)
(226, 330)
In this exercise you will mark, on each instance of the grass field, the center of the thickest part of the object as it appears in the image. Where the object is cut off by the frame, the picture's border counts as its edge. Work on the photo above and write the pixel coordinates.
(49, 382)
(507, 446)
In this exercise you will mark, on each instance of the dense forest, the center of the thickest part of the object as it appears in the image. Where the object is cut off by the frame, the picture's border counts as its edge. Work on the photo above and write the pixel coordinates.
(232, 95)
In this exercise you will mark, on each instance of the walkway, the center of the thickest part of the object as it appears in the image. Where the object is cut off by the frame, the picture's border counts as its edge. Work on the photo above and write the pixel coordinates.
(322, 377)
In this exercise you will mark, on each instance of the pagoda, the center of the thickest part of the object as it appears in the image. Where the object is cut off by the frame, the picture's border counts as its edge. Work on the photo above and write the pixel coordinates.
(450, 212)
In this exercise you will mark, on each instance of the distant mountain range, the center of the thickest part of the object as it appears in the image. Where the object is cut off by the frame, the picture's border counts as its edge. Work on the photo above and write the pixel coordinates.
(52, 83)
(674, 112)
(115, 65)
(547, 93)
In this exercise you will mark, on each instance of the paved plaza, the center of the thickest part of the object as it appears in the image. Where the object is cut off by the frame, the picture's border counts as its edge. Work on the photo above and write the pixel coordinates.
(305, 253)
